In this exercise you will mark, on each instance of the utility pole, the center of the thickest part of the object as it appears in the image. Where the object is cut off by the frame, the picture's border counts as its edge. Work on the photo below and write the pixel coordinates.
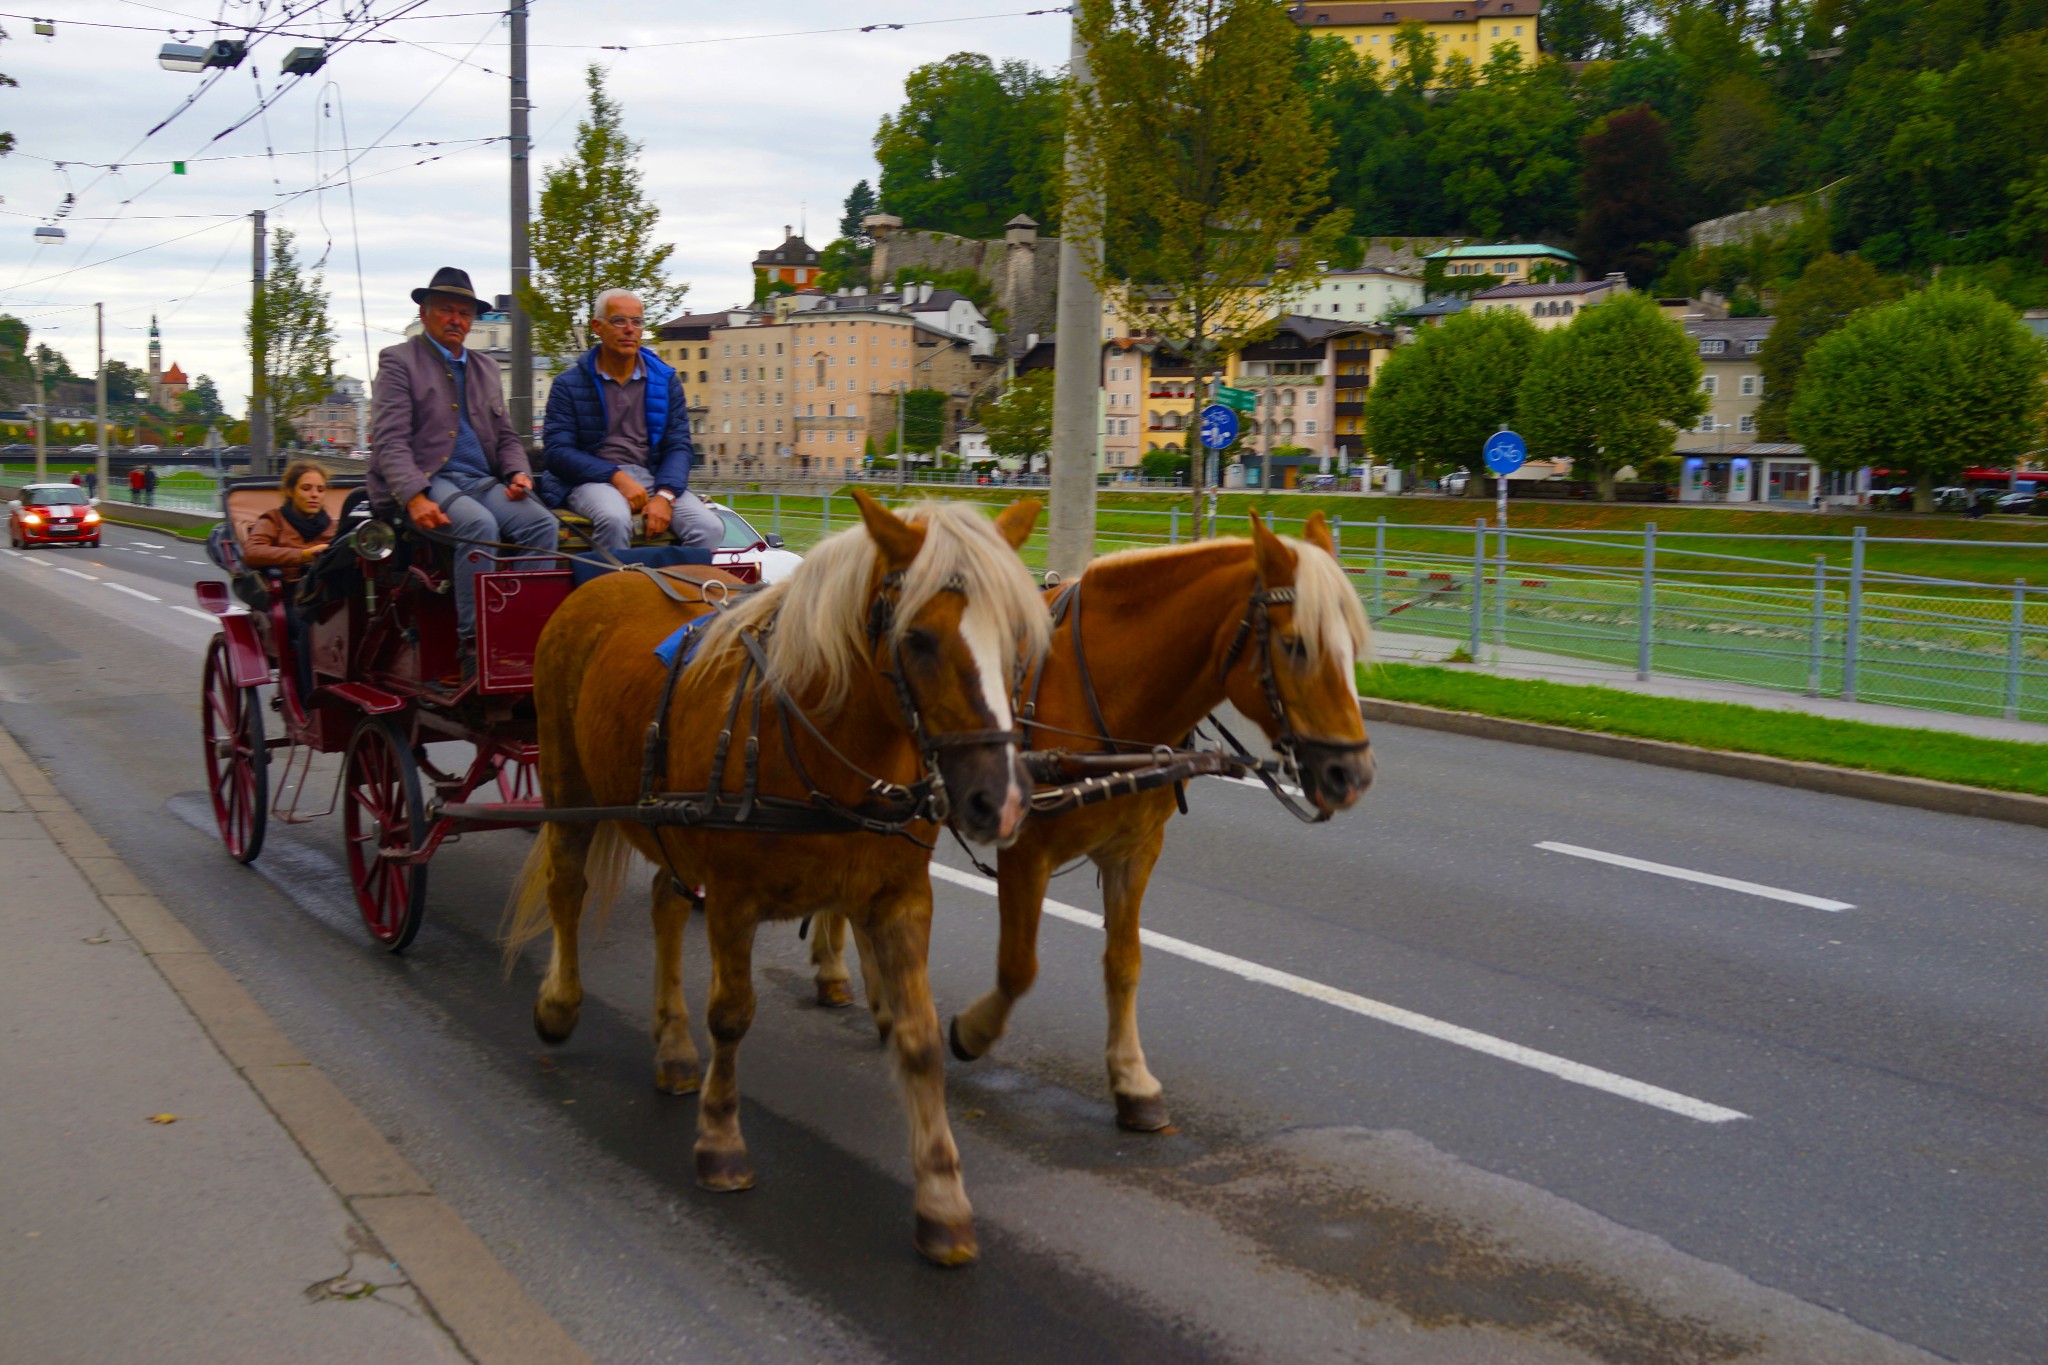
(99, 313)
(522, 253)
(35, 361)
(1077, 372)
(900, 394)
(259, 356)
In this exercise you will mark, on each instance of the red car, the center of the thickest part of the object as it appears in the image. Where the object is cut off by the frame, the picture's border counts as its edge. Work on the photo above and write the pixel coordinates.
(52, 514)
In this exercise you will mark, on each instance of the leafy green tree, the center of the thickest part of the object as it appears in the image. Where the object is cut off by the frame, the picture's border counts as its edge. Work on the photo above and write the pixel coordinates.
(1507, 149)
(860, 202)
(6, 139)
(1210, 169)
(1164, 464)
(974, 144)
(1437, 399)
(1581, 30)
(1734, 134)
(201, 399)
(1631, 219)
(595, 231)
(1825, 296)
(55, 366)
(126, 384)
(1926, 386)
(1611, 389)
(924, 420)
(1019, 424)
(288, 326)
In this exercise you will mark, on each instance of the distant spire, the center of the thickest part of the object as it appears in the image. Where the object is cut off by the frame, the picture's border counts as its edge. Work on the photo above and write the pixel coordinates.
(152, 325)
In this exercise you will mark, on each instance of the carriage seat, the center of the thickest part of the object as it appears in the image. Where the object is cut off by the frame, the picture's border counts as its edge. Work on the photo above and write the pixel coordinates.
(246, 500)
(576, 532)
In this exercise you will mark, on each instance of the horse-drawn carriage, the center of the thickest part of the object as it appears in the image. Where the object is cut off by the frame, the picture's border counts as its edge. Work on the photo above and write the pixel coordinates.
(360, 659)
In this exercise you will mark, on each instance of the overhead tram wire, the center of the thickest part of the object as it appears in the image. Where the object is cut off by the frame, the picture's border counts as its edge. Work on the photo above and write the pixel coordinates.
(237, 156)
(793, 33)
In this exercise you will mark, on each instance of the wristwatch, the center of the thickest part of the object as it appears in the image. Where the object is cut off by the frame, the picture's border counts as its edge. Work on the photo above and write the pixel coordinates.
(663, 493)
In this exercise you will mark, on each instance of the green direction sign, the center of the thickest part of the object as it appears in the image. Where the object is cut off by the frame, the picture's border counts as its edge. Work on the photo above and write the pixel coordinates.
(1244, 400)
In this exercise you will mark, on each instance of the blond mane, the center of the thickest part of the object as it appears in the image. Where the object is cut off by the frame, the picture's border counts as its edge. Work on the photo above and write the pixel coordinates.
(821, 610)
(1326, 608)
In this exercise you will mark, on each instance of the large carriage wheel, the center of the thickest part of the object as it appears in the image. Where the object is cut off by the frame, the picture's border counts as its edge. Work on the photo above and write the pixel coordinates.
(519, 783)
(237, 758)
(384, 818)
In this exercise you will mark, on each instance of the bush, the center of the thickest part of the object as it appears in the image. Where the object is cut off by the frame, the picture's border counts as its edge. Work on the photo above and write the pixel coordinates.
(1164, 464)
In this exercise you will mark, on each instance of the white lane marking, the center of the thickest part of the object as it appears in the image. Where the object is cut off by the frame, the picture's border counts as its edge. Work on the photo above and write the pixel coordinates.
(90, 578)
(1704, 878)
(205, 616)
(1563, 1068)
(200, 562)
(134, 592)
(1254, 783)
(17, 554)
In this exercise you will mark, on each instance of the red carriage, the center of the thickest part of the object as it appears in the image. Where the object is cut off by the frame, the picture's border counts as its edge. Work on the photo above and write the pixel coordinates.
(359, 659)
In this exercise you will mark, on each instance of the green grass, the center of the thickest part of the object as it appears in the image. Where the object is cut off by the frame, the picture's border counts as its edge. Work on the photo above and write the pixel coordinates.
(2004, 765)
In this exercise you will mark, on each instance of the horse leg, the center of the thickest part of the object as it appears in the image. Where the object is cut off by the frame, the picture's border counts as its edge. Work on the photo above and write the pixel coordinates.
(561, 990)
(1020, 894)
(945, 1220)
(676, 1068)
(1140, 1099)
(722, 1162)
(872, 981)
(828, 960)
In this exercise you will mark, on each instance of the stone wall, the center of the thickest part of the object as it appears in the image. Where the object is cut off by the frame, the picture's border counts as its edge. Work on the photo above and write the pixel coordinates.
(1021, 268)
(1772, 218)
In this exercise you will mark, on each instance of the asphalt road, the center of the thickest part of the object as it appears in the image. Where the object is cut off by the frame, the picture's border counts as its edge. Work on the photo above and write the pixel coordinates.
(1442, 1092)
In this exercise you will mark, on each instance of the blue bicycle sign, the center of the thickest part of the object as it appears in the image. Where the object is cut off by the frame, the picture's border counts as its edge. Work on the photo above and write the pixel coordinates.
(1219, 427)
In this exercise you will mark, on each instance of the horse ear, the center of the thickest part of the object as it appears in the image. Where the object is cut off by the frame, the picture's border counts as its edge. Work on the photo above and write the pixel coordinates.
(1316, 532)
(1016, 521)
(898, 540)
(1274, 560)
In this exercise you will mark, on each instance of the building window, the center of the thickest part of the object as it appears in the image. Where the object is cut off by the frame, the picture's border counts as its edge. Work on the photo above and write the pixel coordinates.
(1496, 30)
(1748, 422)
(1713, 346)
(1751, 347)
(1518, 27)
(1308, 428)
(1749, 386)
(1710, 385)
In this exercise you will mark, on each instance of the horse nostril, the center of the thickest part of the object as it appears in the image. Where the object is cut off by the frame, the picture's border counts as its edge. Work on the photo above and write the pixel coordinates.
(981, 806)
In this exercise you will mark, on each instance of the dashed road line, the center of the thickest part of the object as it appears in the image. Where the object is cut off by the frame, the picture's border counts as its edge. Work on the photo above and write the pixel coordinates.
(134, 592)
(1686, 874)
(205, 616)
(1563, 1068)
(90, 578)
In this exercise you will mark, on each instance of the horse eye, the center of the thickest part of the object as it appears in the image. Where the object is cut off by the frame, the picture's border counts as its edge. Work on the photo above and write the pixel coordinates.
(1296, 650)
(920, 641)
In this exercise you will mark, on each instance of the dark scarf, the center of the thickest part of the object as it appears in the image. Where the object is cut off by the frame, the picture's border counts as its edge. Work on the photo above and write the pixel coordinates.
(311, 528)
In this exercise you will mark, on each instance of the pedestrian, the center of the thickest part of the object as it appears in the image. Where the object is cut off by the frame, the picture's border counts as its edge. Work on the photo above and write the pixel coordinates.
(135, 484)
(92, 484)
(149, 485)
(77, 482)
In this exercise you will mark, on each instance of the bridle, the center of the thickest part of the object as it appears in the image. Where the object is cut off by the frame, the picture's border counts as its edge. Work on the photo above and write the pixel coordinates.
(1297, 750)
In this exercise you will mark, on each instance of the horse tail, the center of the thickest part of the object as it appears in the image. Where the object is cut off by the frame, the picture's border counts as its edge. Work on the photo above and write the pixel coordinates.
(608, 858)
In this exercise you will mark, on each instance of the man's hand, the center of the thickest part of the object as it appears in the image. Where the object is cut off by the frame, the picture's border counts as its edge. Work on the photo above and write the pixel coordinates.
(518, 486)
(635, 495)
(659, 511)
(425, 512)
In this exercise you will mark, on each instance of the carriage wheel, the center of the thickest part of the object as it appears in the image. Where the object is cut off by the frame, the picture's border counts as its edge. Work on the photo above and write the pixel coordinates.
(237, 758)
(518, 783)
(382, 815)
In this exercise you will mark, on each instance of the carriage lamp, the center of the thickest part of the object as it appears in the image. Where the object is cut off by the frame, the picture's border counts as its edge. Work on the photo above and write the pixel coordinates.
(375, 540)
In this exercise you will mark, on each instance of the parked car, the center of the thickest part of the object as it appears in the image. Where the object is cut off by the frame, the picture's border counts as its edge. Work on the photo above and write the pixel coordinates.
(85, 450)
(146, 450)
(1898, 499)
(52, 514)
(1952, 499)
(18, 448)
(742, 544)
(2017, 503)
(1453, 483)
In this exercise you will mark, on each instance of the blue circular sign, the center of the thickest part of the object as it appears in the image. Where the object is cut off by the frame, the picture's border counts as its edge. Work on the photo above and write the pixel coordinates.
(1219, 427)
(1505, 452)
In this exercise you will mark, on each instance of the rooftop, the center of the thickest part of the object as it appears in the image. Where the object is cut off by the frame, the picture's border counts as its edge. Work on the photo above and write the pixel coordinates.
(793, 251)
(1502, 249)
(1562, 289)
(1413, 12)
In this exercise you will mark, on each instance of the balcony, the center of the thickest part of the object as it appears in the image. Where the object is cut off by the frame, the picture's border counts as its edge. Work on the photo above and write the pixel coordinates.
(1351, 409)
(1354, 381)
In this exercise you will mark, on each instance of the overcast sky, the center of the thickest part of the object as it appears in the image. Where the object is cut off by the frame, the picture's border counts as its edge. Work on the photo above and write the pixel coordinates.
(739, 136)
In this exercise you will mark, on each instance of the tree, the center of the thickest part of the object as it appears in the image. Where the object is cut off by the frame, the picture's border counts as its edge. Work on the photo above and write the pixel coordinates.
(1631, 217)
(860, 202)
(1200, 167)
(1825, 296)
(973, 145)
(1733, 133)
(1437, 399)
(924, 419)
(202, 399)
(595, 231)
(126, 384)
(1926, 386)
(6, 139)
(1506, 149)
(1611, 389)
(1019, 424)
(289, 328)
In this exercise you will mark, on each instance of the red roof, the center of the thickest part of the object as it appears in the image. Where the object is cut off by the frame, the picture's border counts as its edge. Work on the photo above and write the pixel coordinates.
(174, 375)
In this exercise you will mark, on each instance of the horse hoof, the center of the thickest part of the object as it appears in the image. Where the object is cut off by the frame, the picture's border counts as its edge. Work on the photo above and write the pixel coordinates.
(1141, 1113)
(959, 1048)
(947, 1244)
(883, 1028)
(724, 1172)
(677, 1078)
(834, 995)
(554, 1026)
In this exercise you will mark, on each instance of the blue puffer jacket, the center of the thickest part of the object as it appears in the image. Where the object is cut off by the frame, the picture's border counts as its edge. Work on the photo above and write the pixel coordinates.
(576, 424)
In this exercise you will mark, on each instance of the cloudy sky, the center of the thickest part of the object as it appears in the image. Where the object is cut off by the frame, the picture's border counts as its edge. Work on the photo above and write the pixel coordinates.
(747, 111)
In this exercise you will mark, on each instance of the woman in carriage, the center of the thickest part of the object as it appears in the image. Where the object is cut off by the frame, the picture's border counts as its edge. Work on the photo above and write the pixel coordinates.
(293, 534)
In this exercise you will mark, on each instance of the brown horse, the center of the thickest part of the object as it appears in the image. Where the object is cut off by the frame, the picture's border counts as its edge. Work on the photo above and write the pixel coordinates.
(1270, 624)
(895, 640)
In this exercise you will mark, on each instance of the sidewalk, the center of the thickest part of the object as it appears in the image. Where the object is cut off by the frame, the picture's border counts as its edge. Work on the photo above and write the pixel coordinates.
(1391, 647)
(179, 1183)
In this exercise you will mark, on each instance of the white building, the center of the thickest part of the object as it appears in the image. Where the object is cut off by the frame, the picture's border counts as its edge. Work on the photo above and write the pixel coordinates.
(1368, 294)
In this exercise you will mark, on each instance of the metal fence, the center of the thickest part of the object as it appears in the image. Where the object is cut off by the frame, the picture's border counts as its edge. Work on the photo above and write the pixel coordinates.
(1775, 615)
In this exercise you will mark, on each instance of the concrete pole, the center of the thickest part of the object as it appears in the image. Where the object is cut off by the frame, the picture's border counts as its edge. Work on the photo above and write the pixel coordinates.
(35, 360)
(259, 360)
(99, 313)
(1077, 376)
(522, 254)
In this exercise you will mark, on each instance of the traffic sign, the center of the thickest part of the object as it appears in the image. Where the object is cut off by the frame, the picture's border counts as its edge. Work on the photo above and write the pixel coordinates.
(1243, 400)
(1505, 452)
(1219, 427)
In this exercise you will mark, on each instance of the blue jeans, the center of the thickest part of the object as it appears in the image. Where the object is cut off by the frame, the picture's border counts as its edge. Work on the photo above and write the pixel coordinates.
(611, 518)
(482, 510)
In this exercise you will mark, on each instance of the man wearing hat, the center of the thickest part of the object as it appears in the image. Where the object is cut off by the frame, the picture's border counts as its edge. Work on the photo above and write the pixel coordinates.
(442, 447)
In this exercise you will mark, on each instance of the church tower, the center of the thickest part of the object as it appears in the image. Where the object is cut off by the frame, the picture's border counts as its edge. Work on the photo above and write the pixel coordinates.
(156, 356)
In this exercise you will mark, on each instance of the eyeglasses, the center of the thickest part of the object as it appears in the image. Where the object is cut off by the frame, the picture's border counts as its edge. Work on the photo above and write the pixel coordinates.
(623, 324)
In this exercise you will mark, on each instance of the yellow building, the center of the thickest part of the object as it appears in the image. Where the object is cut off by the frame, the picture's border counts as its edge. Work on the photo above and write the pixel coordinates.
(1461, 28)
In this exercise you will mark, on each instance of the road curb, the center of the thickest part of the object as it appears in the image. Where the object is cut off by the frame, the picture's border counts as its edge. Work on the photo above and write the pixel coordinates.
(483, 1308)
(1950, 798)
